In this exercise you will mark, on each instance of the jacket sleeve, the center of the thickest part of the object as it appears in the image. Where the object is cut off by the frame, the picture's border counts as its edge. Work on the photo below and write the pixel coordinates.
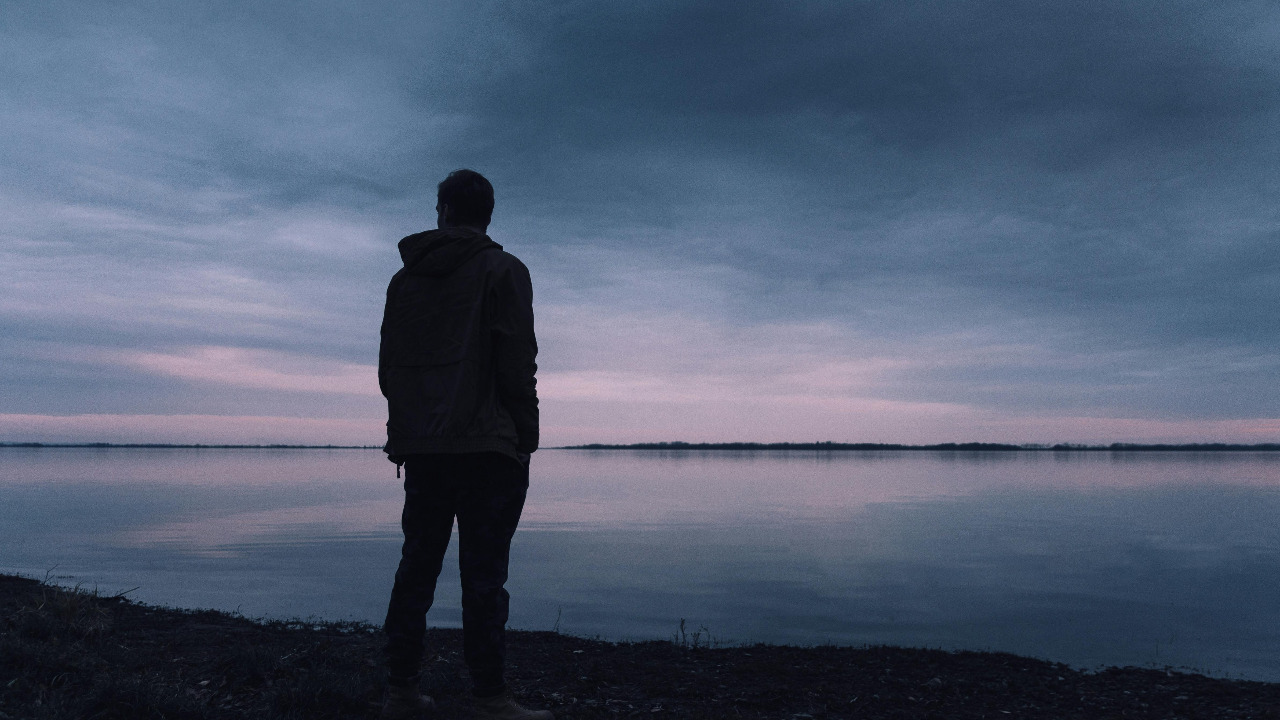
(386, 339)
(515, 350)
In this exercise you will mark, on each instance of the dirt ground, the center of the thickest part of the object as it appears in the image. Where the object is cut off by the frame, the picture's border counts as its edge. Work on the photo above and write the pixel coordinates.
(70, 654)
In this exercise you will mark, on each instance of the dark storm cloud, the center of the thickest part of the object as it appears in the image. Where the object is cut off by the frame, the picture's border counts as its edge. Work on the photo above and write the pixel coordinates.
(1105, 170)
(1056, 84)
(856, 113)
(1044, 206)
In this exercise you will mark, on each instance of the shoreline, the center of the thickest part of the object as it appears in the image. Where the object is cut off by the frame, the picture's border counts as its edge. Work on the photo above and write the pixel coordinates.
(68, 653)
(967, 447)
(970, 447)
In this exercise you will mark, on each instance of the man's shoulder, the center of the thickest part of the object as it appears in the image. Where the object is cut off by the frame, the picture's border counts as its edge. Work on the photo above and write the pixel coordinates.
(500, 259)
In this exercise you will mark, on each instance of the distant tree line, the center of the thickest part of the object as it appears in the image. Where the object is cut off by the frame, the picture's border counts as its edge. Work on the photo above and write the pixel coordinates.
(965, 447)
(678, 445)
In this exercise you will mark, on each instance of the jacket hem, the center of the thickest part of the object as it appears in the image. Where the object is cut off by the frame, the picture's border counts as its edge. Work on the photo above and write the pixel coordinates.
(397, 451)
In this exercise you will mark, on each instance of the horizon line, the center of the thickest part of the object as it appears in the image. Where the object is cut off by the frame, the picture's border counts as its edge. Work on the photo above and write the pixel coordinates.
(826, 445)
(949, 446)
(212, 446)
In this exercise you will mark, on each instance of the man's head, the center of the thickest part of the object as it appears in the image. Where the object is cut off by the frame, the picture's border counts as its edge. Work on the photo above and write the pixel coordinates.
(464, 199)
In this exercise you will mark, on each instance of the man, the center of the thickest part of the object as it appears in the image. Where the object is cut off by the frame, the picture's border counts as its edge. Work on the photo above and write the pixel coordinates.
(457, 368)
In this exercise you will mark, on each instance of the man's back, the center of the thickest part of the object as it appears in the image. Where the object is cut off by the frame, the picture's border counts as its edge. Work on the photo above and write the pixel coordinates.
(457, 360)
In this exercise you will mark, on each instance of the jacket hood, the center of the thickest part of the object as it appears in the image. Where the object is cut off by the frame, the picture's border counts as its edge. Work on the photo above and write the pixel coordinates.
(440, 252)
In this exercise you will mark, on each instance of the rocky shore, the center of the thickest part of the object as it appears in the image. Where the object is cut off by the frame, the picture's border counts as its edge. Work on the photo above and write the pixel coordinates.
(74, 654)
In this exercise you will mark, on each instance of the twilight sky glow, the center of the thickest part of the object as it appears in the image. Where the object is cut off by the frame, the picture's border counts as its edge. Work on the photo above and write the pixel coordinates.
(856, 221)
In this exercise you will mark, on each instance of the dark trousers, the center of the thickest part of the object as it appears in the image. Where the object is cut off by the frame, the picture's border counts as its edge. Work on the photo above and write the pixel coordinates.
(485, 492)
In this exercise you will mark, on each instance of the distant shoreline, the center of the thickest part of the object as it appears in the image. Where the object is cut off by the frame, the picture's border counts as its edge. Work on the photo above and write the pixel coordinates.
(949, 447)
(177, 446)
(732, 446)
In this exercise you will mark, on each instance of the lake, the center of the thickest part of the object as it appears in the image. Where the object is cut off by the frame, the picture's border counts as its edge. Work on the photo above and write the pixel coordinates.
(1088, 558)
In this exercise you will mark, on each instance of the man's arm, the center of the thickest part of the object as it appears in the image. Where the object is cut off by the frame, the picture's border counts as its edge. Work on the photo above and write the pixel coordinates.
(384, 346)
(515, 350)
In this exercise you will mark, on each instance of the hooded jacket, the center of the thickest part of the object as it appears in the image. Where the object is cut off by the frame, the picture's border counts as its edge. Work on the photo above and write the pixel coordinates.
(457, 358)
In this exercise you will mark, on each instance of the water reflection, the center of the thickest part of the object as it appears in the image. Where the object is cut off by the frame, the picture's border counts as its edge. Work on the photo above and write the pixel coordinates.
(1088, 558)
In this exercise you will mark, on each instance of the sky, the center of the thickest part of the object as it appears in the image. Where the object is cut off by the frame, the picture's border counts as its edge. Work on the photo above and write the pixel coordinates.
(891, 221)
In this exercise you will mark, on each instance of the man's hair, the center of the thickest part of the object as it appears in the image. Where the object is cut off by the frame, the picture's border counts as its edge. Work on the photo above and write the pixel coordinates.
(469, 197)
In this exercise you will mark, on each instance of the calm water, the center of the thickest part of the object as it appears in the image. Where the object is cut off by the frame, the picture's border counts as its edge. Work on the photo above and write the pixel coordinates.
(1086, 558)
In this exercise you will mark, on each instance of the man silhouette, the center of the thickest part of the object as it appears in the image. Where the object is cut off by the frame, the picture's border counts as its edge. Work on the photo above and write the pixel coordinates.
(457, 368)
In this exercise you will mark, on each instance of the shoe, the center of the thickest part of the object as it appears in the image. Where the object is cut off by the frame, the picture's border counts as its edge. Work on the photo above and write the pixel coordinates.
(504, 707)
(406, 703)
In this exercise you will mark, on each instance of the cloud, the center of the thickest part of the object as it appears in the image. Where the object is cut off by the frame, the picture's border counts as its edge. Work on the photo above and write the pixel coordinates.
(258, 369)
(1028, 209)
(187, 429)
